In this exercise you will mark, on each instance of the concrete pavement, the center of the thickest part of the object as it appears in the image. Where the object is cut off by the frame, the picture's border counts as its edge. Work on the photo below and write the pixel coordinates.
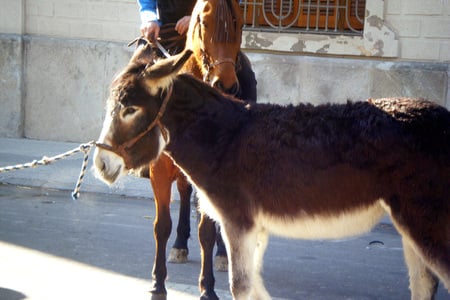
(19, 281)
(98, 247)
(101, 246)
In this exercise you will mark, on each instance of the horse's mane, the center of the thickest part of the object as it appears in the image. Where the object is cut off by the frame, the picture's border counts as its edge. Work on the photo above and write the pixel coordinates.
(224, 17)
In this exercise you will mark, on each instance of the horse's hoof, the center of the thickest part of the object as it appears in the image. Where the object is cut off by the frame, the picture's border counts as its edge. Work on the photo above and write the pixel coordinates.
(221, 263)
(158, 297)
(209, 296)
(178, 256)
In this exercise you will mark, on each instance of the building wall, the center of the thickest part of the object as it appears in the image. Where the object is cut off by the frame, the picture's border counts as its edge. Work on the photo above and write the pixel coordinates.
(423, 27)
(58, 58)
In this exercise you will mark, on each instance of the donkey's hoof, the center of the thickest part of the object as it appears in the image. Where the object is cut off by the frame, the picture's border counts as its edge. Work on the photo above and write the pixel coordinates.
(221, 263)
(178, 256)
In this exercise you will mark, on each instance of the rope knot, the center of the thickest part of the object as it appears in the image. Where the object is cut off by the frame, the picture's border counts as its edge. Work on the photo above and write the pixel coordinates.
(86, 147)
(45, 160)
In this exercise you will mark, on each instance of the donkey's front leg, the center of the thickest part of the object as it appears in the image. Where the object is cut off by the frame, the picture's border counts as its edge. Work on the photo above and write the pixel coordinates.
(245, 248)
(258, 289)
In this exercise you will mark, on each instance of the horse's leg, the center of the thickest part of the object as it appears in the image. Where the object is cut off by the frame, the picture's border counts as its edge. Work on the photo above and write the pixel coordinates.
(207, 236)
(221, 259)
(179, 252)
(161, 184)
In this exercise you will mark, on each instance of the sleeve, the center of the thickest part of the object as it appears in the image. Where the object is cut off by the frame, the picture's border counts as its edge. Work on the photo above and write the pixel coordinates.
(147, 10)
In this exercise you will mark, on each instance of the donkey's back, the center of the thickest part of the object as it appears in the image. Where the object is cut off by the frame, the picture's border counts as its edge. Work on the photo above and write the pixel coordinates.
(365, 151)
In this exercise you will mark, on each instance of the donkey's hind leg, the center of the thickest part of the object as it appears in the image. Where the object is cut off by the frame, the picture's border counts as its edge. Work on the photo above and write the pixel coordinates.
(422, 282)
(425, 229)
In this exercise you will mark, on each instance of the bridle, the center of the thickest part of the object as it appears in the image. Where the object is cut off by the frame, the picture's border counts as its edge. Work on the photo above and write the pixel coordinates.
(122, 149)
(207, 63)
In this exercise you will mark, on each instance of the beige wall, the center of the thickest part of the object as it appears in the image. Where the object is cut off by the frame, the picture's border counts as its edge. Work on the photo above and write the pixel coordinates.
(107, 20)
(12, 16)
(421, 26)
(58, 57)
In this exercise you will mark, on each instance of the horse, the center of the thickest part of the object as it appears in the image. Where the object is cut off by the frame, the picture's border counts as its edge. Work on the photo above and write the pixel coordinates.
(304, 171)
(214, 35)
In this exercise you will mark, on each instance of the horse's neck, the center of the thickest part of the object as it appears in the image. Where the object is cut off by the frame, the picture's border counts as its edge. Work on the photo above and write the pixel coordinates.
(192, 67)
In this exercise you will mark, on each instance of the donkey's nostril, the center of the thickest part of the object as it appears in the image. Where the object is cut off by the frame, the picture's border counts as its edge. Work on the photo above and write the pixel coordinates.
(101, 162)
(102, 165)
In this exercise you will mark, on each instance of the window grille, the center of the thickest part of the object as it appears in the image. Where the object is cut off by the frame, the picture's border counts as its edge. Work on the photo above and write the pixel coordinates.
(314, 16)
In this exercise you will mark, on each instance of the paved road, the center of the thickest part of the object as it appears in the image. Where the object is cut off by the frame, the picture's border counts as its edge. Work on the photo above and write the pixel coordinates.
(101, 247)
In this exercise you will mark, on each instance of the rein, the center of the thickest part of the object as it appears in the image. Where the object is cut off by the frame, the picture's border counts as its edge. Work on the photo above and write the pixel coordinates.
(121, 149)
(156, 43)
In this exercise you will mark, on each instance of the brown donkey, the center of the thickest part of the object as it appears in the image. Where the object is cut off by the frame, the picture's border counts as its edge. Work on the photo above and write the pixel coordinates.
(305, 171)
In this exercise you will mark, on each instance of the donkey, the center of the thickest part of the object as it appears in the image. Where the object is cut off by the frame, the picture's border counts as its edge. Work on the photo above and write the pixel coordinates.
(314, 172)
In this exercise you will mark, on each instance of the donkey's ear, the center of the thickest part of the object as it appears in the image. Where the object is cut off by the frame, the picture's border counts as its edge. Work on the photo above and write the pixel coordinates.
(143, 54)
(167, 67)
(161, 74)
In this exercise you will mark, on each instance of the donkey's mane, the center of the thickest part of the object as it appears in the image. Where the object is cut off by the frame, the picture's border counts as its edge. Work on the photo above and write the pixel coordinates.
(202, 87)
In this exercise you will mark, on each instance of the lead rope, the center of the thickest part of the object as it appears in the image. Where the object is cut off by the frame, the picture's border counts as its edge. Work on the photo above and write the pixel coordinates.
(85, 148)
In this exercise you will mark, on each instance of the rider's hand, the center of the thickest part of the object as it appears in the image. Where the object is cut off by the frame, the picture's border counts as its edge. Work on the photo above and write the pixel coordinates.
(150, 30)
(183, 25)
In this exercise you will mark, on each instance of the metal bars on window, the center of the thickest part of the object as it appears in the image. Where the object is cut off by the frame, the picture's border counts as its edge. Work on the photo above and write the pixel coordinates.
(315, 16)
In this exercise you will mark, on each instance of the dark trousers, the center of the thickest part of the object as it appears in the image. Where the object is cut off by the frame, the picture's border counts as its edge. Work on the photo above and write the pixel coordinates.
(247, 79)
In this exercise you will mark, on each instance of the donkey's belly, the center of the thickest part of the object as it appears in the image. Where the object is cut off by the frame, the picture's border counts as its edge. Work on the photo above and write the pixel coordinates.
(343, 224)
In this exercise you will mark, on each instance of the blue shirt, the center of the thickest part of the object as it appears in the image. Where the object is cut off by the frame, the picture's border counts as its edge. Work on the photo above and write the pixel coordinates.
(147, 10)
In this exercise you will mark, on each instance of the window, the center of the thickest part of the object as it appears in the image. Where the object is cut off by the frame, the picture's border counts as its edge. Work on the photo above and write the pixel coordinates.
(338, 27)
(339, 16)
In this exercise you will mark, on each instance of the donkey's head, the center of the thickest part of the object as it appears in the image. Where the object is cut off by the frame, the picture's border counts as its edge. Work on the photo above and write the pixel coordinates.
(132, 134)
(215, 35)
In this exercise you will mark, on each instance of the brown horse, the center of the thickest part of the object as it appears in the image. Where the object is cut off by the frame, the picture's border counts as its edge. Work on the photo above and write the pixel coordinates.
(215, 36)
(305, 171)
